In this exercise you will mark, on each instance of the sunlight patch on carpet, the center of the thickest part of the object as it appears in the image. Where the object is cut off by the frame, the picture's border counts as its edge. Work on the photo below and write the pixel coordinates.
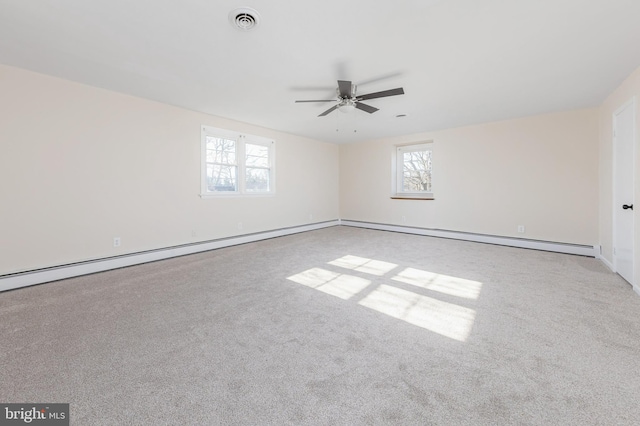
(444, 318)
(362, 264)
(333, 283)
(386, 295)
(445, 284)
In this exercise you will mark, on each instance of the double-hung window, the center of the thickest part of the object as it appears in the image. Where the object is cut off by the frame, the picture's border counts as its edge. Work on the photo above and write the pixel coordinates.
(235, 163)
(413, 171)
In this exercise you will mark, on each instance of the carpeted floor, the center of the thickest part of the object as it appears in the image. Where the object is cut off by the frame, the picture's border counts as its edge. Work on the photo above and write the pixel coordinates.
(340, 326)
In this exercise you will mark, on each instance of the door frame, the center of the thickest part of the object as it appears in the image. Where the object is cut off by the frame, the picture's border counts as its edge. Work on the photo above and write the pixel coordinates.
(630, 103)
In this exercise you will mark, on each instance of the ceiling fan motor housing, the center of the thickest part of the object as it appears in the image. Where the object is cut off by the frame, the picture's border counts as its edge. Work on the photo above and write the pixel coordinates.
(351, 95)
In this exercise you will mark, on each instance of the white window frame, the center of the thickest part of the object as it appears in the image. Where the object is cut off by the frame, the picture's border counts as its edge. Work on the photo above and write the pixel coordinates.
(398, 168)
(241, 139)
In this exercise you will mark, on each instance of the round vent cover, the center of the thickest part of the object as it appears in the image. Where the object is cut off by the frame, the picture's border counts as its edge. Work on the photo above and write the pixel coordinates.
(244, 18)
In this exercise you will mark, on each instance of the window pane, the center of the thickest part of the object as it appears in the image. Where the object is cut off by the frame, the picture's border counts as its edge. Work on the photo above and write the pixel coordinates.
(221, 178)
(257, 180)
(417, 160)
(416, 181)
(221, 150)
(416, 176)
(257, 155)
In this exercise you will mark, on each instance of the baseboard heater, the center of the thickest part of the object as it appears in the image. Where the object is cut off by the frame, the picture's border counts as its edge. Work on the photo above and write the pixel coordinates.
(55, 273)
(581, 250)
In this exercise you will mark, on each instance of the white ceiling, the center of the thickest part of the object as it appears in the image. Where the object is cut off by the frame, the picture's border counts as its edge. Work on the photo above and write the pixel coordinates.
(459, 61)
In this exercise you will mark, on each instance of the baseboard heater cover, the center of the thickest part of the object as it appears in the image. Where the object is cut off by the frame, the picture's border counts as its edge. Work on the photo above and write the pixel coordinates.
(28, 278)
(582, 250)
(55, 273)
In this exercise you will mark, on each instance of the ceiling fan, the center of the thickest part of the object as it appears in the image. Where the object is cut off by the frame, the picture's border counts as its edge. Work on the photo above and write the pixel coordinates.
(347, 100)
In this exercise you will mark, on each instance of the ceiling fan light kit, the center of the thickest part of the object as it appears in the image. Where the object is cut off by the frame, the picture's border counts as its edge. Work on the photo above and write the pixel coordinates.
(347, 100)
(347, 105)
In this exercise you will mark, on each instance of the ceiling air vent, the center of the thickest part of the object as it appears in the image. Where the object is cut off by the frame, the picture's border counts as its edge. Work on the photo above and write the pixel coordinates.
(244, 18)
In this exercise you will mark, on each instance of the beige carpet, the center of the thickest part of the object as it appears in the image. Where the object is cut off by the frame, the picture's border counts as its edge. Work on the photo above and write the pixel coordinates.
(341, 326)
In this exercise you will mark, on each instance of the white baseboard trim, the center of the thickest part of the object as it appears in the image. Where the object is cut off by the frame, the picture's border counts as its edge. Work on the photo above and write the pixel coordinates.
(607, 263)
(24, 279)
(582, 250)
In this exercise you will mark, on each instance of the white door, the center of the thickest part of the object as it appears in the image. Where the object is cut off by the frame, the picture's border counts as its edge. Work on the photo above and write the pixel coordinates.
(624, 136)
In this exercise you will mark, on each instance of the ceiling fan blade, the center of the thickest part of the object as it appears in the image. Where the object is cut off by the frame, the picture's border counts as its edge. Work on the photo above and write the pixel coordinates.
(365, 107)
(319, 100)
(379, 78)
(345, 88)
(328, 111)
(383, 94)
(313, 88)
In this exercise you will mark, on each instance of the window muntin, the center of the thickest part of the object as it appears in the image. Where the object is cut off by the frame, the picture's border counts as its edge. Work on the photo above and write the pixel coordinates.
(414, 170)
(236, 164)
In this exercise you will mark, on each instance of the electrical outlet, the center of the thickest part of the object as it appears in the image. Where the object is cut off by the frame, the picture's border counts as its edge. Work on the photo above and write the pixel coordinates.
(240, 225)
(310, 216)
(404, 219)
(193, 233)
(521, 229)
(116, 241)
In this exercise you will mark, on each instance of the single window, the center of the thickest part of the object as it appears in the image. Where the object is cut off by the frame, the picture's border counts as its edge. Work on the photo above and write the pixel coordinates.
(414, 170)
(235, 163)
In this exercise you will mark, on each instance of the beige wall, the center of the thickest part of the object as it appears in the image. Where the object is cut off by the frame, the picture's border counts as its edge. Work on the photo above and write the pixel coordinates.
(541, 172)
(629, 89)
(81, 165)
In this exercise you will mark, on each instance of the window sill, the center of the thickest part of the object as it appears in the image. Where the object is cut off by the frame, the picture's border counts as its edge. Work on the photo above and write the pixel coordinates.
(412, 197)
(235, 195)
